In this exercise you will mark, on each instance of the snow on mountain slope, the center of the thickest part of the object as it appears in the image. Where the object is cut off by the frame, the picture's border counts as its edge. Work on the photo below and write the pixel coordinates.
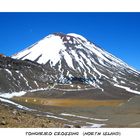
(72, 57)
(55, 46)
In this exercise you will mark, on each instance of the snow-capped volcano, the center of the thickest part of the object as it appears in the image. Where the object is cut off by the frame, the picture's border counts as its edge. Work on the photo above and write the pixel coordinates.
(71, 57)
(72, 47)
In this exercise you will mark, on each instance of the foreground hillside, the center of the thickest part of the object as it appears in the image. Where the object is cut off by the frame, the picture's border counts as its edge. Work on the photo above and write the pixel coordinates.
(12, 117)
(108, 114)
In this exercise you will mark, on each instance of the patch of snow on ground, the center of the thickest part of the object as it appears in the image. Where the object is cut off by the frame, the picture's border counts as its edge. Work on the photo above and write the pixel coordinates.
(101, 61)
(20, 93)
(13, 103)
(26, 81)
(36, 84)
(127, 89)
(9, 71)
(93, 125)
(71, 86)
(68, 59)
(115, 79)
(78, 87)
(122, 82)
(82, 117)
(51, 116)
(10, 95)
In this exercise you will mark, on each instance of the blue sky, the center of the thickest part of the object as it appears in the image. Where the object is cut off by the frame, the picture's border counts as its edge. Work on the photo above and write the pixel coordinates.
(117, 33)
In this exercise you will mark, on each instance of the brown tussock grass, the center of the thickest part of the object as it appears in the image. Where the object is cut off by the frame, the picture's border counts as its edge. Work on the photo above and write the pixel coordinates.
(68, 102)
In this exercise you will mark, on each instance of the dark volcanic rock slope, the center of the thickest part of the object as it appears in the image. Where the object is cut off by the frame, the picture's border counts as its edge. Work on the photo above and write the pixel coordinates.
(18, 75)
(71, 63)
